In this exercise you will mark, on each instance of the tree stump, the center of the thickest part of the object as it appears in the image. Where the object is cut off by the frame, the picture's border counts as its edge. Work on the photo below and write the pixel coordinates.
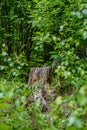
(42, 75)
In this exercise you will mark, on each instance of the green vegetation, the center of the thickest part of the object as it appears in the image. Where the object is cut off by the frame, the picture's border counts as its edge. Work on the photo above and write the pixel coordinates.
(42, 33)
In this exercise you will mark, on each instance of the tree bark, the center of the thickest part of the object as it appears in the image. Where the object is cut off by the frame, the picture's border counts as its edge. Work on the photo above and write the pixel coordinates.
(42, 75)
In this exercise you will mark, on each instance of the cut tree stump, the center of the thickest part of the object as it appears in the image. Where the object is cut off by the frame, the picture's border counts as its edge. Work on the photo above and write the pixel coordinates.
(42, 75)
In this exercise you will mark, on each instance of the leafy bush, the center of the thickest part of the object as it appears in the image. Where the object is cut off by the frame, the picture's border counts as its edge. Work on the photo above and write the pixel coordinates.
(65, 113)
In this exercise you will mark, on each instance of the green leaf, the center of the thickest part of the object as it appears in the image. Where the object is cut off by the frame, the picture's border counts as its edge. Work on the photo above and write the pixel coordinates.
(5, 127)
(58, 100)
(3, 105)
(85, 35)
(2, 67)
(1, 95)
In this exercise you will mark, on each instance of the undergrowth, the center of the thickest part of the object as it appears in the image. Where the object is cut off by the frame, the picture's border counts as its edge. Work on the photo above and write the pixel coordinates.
(66, 113)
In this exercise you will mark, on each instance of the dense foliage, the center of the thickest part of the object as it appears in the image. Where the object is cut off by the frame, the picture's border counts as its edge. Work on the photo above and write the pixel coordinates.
(41, 33)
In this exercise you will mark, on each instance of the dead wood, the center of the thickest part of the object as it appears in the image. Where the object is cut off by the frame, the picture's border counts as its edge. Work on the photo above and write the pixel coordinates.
(42, 75)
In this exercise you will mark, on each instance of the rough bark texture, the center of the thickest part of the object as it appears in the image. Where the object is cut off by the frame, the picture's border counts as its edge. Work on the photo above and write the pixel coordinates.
(42, 75)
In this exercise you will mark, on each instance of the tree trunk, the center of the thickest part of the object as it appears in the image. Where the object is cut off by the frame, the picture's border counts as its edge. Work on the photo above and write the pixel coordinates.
(42, 75)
